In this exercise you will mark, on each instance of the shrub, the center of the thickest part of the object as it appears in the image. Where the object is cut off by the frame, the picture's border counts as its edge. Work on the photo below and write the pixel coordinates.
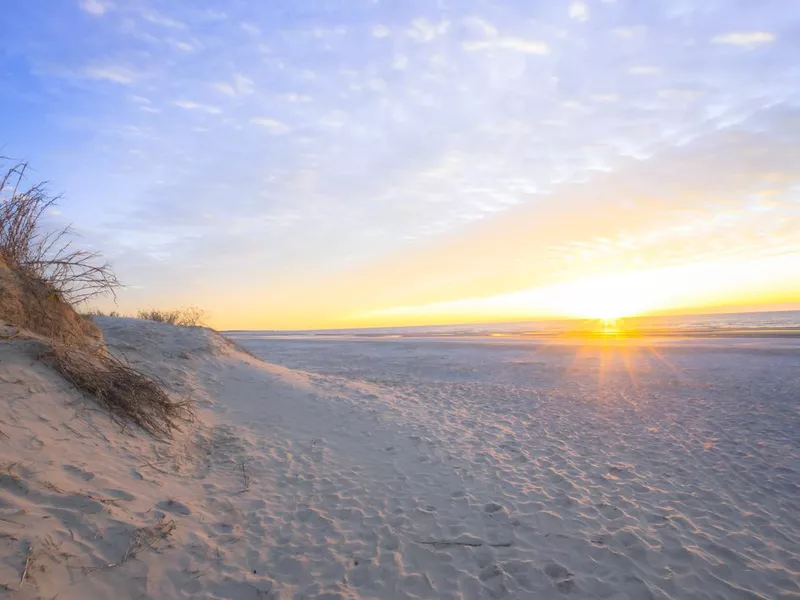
(74, 274)
(191, 316)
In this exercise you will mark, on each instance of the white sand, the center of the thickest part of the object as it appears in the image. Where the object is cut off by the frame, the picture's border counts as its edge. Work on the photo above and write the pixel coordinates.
(410, 469)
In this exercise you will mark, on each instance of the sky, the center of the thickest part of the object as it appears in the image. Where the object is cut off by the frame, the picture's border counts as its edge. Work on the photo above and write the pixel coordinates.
(342, 163)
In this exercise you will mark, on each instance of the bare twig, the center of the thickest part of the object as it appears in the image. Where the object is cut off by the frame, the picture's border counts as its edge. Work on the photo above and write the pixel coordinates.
(470, 544)
(143, 540)
(152, 466)
(27, 563)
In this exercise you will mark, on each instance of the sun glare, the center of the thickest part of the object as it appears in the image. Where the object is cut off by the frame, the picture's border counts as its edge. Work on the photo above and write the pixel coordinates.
(611, 297)
(606, 299)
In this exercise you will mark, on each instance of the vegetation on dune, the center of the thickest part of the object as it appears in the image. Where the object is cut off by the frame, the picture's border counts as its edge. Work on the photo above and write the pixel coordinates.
(125, 392)
(191, 316)
(43, 276)
(96, 312)
(74, 274)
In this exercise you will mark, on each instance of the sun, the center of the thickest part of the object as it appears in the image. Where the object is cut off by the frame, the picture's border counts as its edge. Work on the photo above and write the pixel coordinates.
(606, 309)
(604, 298)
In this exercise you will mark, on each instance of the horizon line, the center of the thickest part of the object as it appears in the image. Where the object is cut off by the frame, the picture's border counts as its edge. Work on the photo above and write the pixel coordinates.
(532, 320)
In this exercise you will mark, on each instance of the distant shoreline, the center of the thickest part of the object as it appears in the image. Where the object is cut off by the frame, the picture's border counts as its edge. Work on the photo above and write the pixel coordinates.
(745, 324)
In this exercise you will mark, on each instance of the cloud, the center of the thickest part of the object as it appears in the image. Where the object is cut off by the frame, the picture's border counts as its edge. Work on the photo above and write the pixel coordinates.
(94, 7)
(183, 46)
(322, 33)
(481, 26)
(271, 125)
(334, 120)
(214, 15)
(163, 21)
(508, 43)
(225, 88)
(376, 84)
(744, 38)
(189, 105)
(644, 70)
(239, 86)
(115, 74)
(380, 31)
(677, 94)
(400, 63)
(628, 33)
(250, 28)
(579, 11)
(438, 60)
(423, 30)
(295, 97)
(605, 97)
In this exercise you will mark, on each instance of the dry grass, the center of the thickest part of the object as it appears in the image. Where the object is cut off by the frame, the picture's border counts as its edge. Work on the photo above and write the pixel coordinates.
(191, 316)
(147, 537)
(143, 539)
(125, 392)
(96, 312)
(74, 274)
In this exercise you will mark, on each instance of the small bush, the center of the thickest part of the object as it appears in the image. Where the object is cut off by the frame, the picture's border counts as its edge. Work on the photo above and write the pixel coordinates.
(190, 316)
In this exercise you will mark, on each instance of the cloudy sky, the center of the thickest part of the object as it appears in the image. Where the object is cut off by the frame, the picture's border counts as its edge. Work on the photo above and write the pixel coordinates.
(357, 162)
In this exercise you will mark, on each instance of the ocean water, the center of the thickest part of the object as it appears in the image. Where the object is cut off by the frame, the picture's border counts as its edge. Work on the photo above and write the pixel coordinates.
(746, 324)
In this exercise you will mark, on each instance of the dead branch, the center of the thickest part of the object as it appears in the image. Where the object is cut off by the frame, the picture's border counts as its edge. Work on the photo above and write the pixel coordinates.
(27, 563)
(475, 544)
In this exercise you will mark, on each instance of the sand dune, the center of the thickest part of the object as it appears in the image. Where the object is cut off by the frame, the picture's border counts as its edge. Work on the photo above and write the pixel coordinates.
(406, 470)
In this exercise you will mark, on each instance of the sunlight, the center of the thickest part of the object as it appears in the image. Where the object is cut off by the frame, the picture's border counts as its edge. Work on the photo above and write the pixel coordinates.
(606, 298)
(611, 296)
(611, 326)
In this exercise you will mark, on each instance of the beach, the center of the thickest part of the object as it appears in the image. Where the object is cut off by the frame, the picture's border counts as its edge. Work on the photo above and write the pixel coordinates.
(472, 467)
(332, 300)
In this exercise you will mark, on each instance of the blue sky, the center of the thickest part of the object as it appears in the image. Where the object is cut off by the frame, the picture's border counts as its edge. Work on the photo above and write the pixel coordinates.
(216, 150)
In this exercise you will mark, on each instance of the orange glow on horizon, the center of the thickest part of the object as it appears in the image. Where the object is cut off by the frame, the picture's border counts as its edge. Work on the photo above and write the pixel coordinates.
(669, 290)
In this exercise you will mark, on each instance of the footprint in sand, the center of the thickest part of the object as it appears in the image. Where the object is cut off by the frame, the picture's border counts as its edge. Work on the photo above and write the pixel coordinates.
(496, 524)
(493, 507)
(80, 473)
(561, 576)
(174, 506)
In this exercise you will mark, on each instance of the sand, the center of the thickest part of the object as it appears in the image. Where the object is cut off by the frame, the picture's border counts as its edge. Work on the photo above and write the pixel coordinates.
(409, 469)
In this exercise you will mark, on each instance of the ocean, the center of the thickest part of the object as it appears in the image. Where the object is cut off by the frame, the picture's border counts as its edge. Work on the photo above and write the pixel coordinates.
(745, 324)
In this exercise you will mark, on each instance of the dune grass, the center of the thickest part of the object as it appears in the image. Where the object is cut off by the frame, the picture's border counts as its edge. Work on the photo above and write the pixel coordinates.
(124, 391)
(190, 316)
(47, 255)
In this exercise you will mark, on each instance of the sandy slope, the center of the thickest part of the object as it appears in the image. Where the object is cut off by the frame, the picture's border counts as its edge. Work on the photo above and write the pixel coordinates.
(394, 472)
